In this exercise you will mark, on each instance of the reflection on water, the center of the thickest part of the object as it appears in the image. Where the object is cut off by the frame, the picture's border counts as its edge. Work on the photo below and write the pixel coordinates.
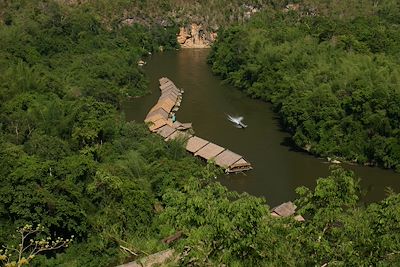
(278, 168)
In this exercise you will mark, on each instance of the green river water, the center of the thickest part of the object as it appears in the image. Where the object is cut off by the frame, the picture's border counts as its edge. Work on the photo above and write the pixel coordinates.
(278, 167)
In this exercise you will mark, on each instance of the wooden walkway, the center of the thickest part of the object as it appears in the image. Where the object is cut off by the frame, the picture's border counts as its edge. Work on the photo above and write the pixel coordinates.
(160, 121)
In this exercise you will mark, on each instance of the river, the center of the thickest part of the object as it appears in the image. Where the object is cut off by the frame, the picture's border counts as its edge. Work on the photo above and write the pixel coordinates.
(278, 167)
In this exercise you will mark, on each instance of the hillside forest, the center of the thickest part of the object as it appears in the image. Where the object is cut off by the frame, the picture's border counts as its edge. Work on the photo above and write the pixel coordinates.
(92, 189)
(331, 73)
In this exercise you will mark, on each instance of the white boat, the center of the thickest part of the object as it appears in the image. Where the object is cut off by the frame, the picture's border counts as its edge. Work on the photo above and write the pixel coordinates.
(237, 121)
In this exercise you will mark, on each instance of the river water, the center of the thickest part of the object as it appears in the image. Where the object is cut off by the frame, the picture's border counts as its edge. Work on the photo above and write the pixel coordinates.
(278, 167)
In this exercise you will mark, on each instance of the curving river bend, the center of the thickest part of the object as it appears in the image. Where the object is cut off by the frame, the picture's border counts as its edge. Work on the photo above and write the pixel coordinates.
(278, 167)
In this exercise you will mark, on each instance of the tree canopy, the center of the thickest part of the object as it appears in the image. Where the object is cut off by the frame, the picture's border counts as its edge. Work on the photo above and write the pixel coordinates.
(70, 165)
(331, 75)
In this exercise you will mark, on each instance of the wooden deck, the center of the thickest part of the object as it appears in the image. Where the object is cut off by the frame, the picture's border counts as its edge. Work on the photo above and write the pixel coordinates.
(160, 122)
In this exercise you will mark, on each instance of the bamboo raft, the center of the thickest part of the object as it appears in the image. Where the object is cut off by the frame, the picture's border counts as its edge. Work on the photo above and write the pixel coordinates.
(160, 121)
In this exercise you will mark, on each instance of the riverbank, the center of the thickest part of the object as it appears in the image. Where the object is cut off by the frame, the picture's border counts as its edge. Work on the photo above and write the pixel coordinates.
(334, 101)
(279, 168)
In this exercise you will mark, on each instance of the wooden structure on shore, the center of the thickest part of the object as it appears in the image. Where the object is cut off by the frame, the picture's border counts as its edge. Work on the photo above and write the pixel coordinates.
(160, 121)
(285, 210)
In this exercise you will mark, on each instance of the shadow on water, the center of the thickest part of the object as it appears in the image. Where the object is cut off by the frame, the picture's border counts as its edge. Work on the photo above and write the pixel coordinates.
(291, 146)
(279, 167)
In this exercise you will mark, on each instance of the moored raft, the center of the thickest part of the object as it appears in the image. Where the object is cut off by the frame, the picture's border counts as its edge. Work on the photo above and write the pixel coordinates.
(156, 115)
(154, 126)
(239, 166)
(166, 131)
(227, 158)
(195, 143)
(209, 151)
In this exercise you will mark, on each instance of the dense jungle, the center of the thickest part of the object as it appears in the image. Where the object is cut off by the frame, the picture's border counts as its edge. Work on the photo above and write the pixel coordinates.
(81, 186)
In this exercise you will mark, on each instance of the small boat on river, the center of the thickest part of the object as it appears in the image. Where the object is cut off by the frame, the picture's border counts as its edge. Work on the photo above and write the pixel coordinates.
(237, 121)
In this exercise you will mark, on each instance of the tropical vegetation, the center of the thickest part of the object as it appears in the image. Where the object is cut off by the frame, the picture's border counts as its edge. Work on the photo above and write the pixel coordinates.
(80, 186)
(331, 73)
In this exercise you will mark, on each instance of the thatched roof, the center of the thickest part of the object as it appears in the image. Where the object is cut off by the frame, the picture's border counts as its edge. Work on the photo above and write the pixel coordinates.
(168, 86)
(195, 143)
(163, 79)
(240, 165)
(166, 104)
(156, 115)
(170, 101)
(154, 118)
(171, 91)
(299, 218)
(171, 97)
(209, 151)
(174, 92)
(240, 162)
(166, 83)
(227, 158)
(157, 124)
(166, 131)
(285, 209)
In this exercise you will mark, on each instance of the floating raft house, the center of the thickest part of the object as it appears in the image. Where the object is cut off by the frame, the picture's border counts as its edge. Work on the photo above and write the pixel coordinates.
(160, 121)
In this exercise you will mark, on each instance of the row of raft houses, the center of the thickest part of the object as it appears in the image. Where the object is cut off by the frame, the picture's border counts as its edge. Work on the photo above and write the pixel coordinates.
(161, 120)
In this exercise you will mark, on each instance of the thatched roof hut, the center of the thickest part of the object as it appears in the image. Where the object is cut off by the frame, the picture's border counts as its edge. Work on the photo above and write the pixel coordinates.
(227, 158)
(240, 165)
(166, 83)
(285, 209)
(171, 97)
(154, 118)
(164, 80)
(157, 124)
(209, 151)
(166, 130)
(165, 104)
(167, 86)
(156, 115)
(195, 143)
(171, 91)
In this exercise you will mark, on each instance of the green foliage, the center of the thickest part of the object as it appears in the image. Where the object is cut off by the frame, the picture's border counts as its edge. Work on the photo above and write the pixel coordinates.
(68, 160)
(333, 79)
(29, 246)
(339, 232)
(210, 13)
(219, 225)
(222, 227)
